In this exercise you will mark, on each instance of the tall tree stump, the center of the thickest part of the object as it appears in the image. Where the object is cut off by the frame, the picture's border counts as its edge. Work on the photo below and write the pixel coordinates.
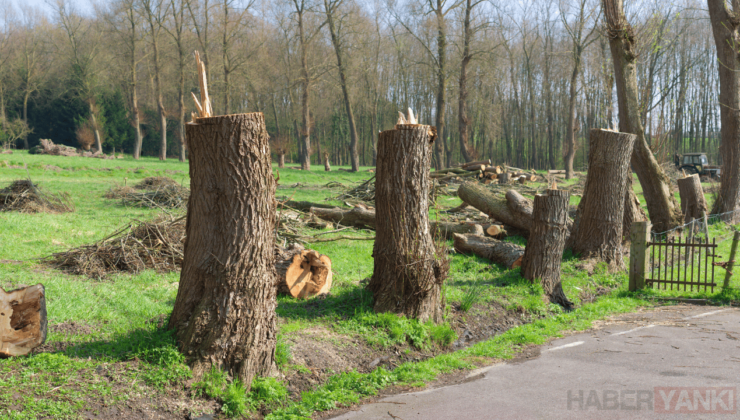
(546, 242)
(598, 224)
(224, 313)
(503, 178)
(408, 273)
(693, 203)
(327, 165)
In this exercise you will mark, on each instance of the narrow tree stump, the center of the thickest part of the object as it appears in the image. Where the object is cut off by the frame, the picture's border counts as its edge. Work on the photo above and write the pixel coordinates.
(224, 313)
(327, 166)
(693, 203)
(408, 273)
(302, 273)
(507, 254)
(546, 242)
(503, 178)
(22, 320)
(598, 226)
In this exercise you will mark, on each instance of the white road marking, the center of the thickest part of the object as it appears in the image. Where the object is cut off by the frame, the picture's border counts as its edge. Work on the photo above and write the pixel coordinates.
(565, 346)
(632, 330)
(707, 314)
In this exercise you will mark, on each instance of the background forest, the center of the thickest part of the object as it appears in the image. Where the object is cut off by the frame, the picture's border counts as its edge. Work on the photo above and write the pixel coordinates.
(509, 80)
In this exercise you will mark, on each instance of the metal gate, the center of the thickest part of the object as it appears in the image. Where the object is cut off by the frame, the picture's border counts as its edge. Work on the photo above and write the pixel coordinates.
(676, 263)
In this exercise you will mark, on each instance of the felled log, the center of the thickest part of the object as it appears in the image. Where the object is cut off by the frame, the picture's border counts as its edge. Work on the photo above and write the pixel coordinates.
(507, 254)
(22, 320)
(479, 167)
(494, 169)
(479, 162)
(693, 204)
(546, 242)
(450, 170)
(555, 171)
(446, 175)
(304, 205)
(302, 273)
(494, 229)
(515, 210)
(446, 229)
(357, 217)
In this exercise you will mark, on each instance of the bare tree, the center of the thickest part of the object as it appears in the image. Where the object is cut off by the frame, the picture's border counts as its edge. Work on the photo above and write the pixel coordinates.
(6, 52)
(176, 29)
(662, 206)
(153, 11)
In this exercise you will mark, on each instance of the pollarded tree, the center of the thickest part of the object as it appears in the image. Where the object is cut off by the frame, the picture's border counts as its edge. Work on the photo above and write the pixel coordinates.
(726, 29)
(665, 213)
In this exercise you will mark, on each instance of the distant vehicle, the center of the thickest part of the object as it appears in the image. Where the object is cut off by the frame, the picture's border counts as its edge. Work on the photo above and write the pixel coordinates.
(697, 163)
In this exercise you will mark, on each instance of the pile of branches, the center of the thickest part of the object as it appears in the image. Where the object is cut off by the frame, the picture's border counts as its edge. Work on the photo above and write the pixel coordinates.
(153, 192)
(47, 147)
(156, 245)
(25, 197)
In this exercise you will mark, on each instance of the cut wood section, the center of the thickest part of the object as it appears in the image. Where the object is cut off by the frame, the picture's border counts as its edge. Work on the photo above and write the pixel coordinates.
(556, 171)
(22, 320)
(494, 230)
(302, 273)
(304, 205)
(598, 226)
(693, 203)
(499, 209)
(358, 217)
(507, 254)
(480, 162)
(478, 167)
(544, 250)
(446, 229)
(494, 169)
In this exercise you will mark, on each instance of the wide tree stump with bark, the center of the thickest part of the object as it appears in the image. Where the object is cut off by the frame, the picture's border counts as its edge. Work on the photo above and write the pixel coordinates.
(598, 227)
(693, 203)
(507, 254)
(408, 272)
(22, 320)
(224, 313)
(358, 217)
(544, 250)
(301, 272)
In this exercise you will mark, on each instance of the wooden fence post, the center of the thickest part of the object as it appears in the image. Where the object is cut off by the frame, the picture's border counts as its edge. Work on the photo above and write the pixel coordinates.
(731, 263)
(640, 236)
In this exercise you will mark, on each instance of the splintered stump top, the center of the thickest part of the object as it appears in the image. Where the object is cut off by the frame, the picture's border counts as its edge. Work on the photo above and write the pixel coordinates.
(22, 320)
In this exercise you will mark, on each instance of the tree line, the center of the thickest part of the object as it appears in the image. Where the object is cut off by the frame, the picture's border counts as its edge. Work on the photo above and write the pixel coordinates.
(521, 83)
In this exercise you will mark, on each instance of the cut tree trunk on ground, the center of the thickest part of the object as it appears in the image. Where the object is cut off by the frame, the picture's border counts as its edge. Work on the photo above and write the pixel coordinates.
(446, 171)
(304, 206)
(302, 273)
(357, 217)
(494, 230)
(480, 167)
(693, 203)
(510, 211)
(22, 320)
(224, 313)
(598, 226)
(480, 162)
(556, 171)
(446, 229)
(507, 254)
(494, 170)
(408, 273)
(544, 250)
(503, 178)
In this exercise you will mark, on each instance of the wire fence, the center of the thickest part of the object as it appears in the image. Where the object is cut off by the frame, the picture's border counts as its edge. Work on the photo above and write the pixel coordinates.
(698, 227)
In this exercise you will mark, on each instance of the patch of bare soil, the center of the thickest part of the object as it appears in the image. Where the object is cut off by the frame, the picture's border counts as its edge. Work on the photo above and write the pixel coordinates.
(71, 328)
(482, 323)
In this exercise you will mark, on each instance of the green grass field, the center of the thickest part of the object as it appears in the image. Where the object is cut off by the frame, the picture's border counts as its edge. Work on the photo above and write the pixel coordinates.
(108, 353)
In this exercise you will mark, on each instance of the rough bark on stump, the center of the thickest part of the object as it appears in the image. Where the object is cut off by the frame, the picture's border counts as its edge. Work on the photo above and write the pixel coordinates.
(408, 273)
(302, 273)
(357, 217)
(598, 227)
(507, 254)
(22, 320)
(693, 203)
(546, 242)
(327, 166)
(632, 210)
(224, 313)
(503, 178)
(281, 160)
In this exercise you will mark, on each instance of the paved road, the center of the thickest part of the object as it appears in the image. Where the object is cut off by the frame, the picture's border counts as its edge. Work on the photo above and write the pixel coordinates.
(676, 362)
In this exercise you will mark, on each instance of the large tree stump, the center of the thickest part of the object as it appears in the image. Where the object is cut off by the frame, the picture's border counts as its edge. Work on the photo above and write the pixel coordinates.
(224, 313)
(546, 242)
(503, 178)
(302, 273)
(22, 320)
(598, 226)
(507, 254)
(408, 273)
(693, 203)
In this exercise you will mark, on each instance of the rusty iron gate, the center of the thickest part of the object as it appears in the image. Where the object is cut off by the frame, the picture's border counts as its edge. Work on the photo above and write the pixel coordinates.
(676, 263)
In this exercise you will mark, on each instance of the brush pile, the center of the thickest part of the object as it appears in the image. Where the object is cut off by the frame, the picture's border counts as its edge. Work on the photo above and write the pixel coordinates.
(25, 197)
(156, 245)
(47, 147)
(153, 192)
